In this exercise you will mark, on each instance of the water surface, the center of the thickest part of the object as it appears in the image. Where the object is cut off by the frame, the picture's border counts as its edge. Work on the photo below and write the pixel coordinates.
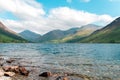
(89, 59)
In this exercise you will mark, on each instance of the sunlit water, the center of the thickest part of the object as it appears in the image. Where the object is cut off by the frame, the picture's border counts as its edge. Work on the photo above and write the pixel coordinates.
(102, 60)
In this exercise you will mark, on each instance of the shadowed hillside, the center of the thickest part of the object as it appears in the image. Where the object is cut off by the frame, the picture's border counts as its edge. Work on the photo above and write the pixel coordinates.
(7, 35)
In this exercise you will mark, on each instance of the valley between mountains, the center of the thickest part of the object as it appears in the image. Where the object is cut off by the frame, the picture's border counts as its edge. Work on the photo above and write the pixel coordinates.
(85, 34)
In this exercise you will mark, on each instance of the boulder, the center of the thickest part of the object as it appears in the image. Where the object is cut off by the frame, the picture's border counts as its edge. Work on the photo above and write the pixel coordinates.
(10, 74)
(11, 68)
(23, 71)
(10, 60)
(6, 68)
(59, 78)
(46, 74)
(16, 69)
(65, 78)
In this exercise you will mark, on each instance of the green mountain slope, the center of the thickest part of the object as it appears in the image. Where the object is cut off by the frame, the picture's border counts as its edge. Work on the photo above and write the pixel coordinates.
(57, 34)
(108, 34)
(81, 32)
(7, 35)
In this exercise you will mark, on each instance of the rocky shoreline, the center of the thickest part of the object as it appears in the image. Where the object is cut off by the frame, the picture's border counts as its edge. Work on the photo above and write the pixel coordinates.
(14, 69)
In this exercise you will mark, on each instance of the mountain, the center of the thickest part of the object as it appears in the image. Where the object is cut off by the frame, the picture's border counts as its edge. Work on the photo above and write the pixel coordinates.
(108, 34)
(7, 35)
(57, 34)
(81, 32)
(30, 36)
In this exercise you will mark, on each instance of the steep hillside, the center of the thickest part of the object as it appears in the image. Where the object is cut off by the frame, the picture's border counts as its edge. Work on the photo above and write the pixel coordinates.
(108, 34)
(7, 35)
(81, 32)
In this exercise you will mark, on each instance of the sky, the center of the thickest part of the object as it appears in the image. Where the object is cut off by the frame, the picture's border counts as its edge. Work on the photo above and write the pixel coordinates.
(42, 16)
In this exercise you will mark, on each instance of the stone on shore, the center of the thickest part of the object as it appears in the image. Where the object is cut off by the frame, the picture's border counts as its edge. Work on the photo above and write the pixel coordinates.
(65, 78)
(16, 69)
(23, 71)
(46, 74)
(6, 68)
(10, 74)
(10, 60)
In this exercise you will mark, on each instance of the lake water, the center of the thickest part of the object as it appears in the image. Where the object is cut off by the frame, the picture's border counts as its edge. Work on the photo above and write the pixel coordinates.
(97, 60)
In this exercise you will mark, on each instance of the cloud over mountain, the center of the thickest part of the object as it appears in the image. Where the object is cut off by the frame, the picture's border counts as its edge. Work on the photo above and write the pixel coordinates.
(32, 15)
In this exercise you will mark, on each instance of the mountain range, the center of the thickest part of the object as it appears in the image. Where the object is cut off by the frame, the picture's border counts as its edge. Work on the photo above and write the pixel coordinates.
(48, 37)
(7, 35)
(86, 34)
(60, 36)
(57, 34)
(81, 32)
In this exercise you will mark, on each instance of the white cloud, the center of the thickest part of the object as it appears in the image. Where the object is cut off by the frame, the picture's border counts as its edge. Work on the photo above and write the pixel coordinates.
(64, 17)
(22, 8)
(33, 17)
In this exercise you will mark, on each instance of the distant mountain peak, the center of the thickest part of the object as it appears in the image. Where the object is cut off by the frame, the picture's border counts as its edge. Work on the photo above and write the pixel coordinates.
(90, 26)
(114, 23)
(118, 18)
(30, 35)
(93, 25)
(28, 31)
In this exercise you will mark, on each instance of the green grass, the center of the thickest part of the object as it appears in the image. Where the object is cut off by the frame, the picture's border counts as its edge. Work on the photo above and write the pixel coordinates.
(104, 36)
(8, 38)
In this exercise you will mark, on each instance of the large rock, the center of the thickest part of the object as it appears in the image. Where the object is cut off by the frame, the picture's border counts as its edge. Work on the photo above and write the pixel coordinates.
(46, 74)
(6, 68)
(16, 69)
(10, 60)
(65, 78)
(23, 71)
(10, 74)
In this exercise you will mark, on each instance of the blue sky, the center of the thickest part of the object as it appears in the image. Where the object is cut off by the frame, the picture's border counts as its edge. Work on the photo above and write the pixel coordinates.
(93, 6)
(42, 16)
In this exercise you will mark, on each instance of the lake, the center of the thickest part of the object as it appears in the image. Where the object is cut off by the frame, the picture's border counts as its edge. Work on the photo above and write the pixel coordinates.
(97, 60)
